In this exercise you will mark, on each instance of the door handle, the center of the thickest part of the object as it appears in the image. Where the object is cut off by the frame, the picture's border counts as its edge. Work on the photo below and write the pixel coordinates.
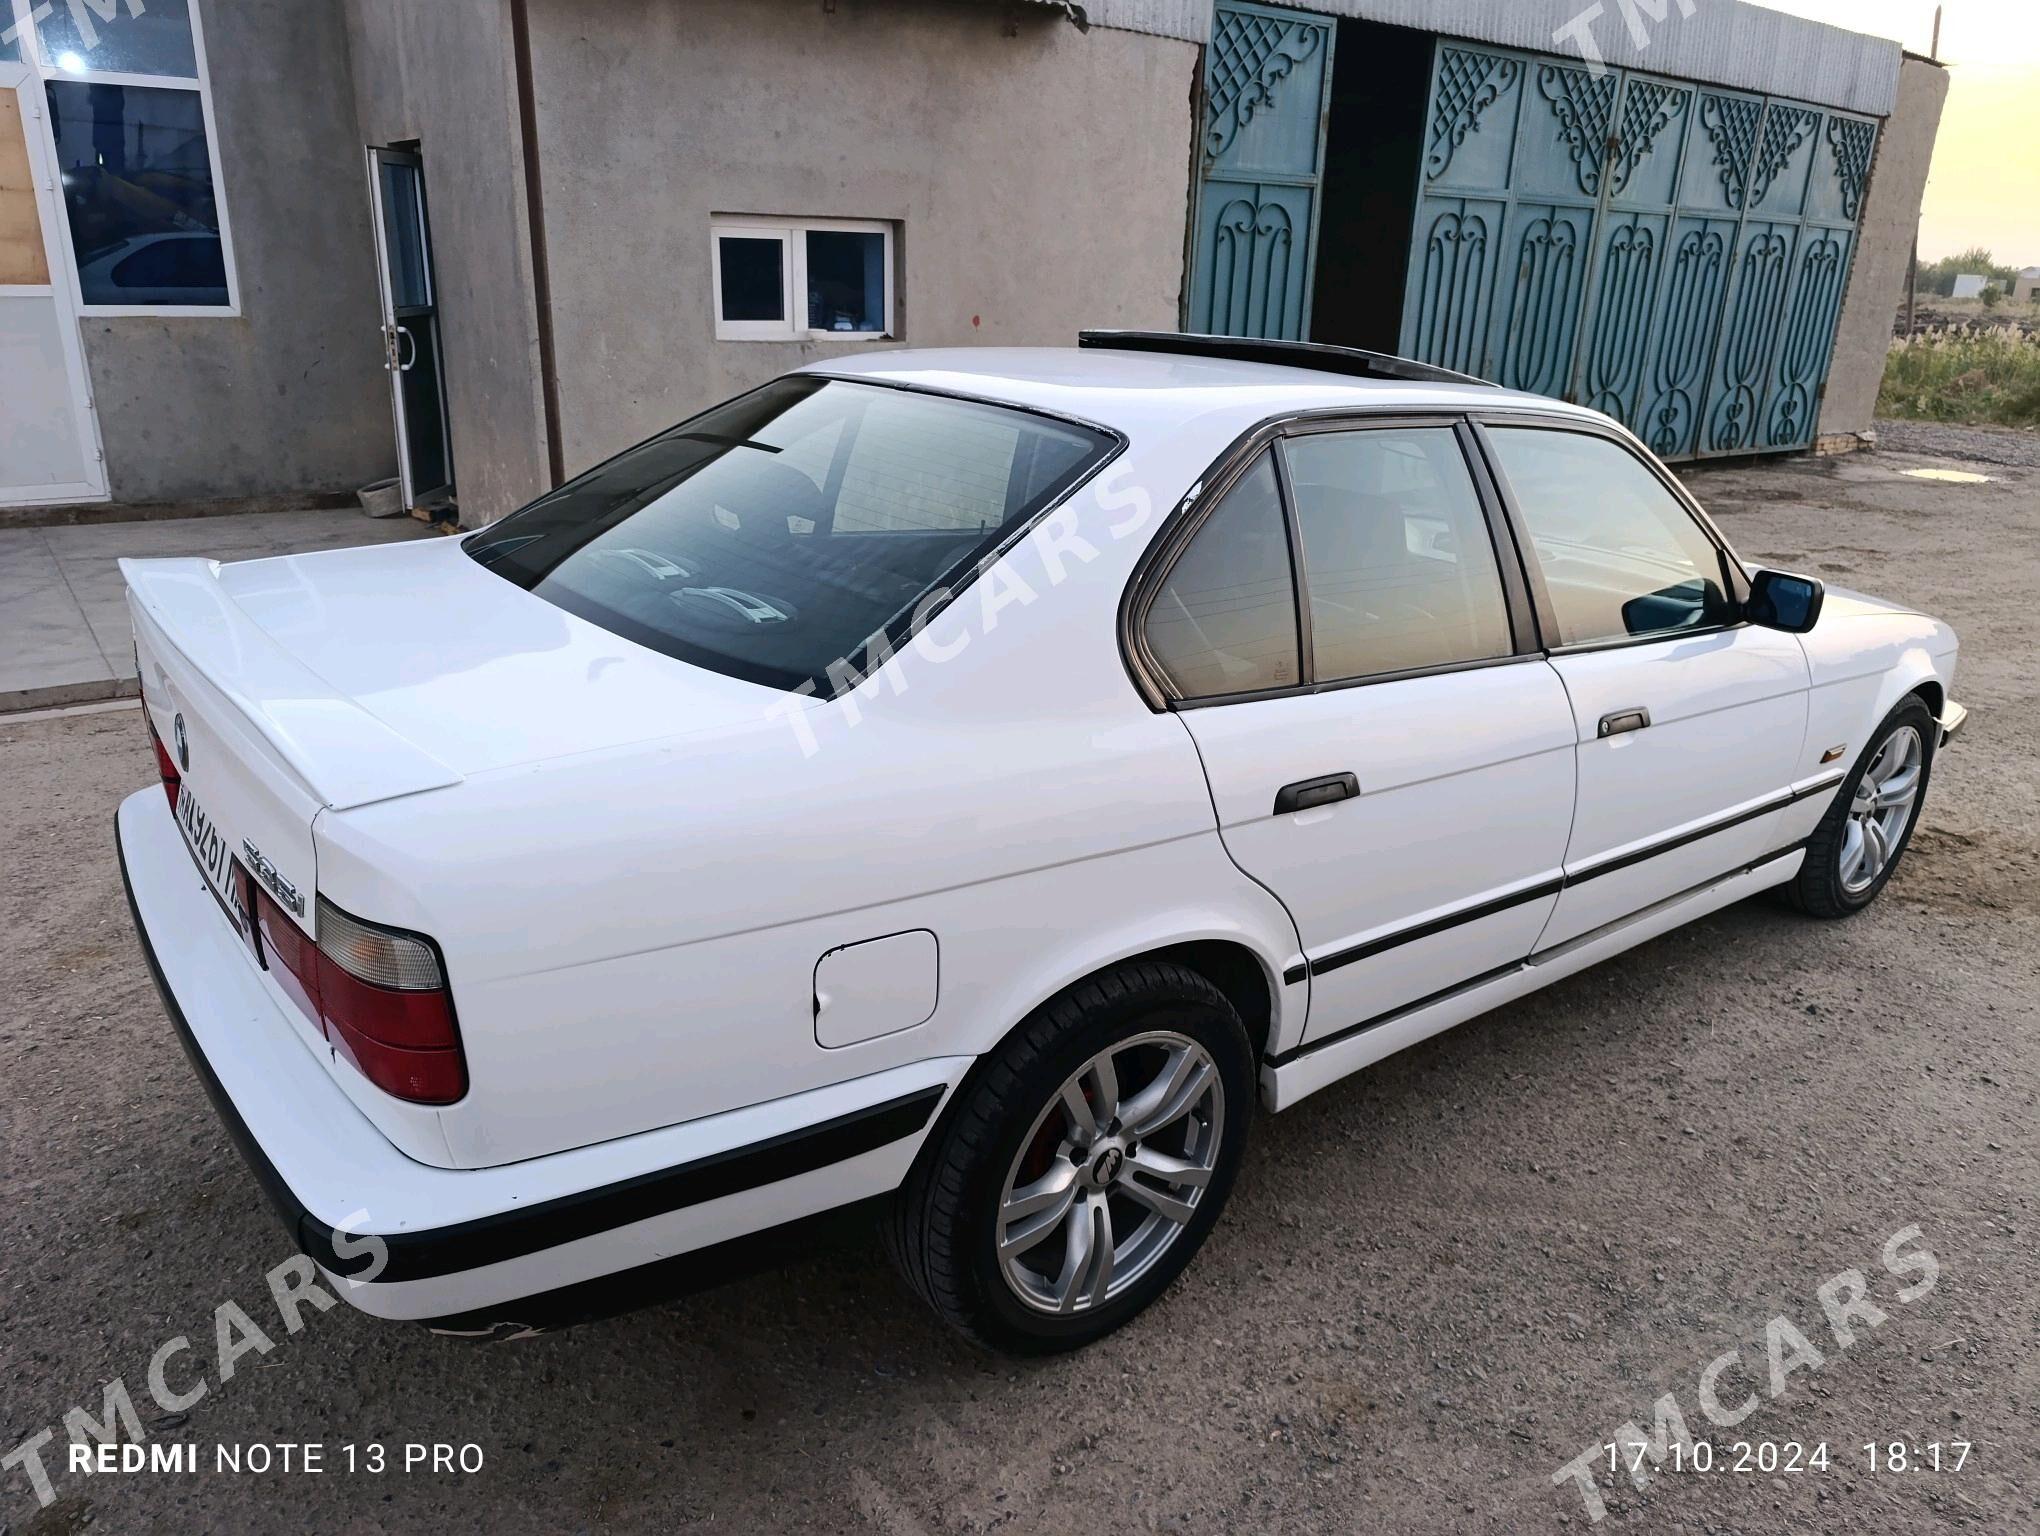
(1616, 721)
(403, 335)
(1304, 794)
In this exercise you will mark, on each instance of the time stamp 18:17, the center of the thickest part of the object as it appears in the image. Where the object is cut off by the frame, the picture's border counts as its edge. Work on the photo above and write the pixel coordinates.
(1774, 1456)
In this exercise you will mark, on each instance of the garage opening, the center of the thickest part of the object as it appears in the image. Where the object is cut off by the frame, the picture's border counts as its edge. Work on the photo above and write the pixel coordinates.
(1374, 134)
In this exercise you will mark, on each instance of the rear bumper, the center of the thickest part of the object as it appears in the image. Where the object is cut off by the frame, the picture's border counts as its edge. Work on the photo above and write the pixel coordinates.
(524, 1241)
(1953, 717)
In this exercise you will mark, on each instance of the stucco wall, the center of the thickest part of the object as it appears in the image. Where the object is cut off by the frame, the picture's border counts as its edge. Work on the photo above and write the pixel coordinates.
(1891, 214)
(442, 72)
(1039, 175)
(290, 396)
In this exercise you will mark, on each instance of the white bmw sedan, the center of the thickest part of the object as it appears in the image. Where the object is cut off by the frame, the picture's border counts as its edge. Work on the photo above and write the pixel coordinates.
(969, 785)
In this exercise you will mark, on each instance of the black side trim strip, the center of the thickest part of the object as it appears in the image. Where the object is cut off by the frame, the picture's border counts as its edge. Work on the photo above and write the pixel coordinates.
(1638, 855)
(1295, 974)
(662, 1280)
(1380, 1019)
(1437, 925)
(508, 1234)
(1426, 1001)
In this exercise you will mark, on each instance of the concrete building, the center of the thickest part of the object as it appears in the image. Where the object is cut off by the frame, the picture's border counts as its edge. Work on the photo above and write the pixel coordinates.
(487, 243)
(2026, 286)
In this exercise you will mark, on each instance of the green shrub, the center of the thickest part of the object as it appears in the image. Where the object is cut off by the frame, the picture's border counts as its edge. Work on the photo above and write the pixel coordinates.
(1953, 376)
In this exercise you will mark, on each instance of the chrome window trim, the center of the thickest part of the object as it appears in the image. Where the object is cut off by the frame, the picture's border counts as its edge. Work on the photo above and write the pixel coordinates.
(1151, 572)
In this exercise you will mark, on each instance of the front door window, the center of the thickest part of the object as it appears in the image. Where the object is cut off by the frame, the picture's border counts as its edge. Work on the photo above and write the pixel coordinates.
(1621, 557)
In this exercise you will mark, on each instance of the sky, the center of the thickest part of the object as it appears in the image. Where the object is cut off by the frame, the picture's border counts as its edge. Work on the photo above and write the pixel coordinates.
(1984, 188)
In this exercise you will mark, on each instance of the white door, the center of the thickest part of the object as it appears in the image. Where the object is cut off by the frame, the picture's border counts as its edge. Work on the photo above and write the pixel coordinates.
(1407, 793)
(410, 311)
(49, 442)
(1690, 724)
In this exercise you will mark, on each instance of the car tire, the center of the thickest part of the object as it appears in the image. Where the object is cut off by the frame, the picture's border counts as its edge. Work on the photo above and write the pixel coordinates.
(1834, 880)
(1181, 1085)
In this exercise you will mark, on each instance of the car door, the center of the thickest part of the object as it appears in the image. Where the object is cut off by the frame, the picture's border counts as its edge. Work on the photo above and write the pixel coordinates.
(1690, 723)
(1387, 750)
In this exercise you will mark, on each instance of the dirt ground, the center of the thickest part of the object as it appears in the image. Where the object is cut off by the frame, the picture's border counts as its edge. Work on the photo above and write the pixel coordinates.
(1437, 1283)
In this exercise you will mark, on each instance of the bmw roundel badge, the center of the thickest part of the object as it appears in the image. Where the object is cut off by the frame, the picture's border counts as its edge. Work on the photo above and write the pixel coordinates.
(183, 746)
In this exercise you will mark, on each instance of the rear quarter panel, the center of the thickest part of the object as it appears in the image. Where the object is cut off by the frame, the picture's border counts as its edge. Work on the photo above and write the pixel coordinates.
(631, 935)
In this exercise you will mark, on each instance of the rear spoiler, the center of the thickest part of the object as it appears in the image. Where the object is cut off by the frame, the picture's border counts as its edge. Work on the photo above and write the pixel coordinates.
(339, 751)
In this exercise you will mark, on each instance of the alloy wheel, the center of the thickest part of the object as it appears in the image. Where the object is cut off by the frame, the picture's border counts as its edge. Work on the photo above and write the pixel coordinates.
(1109, 1175)
(1882, 807)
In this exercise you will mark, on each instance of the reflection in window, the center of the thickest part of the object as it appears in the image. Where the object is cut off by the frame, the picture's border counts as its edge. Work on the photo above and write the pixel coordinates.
(1396, 555)
(403, 207)
(135, 169)
(845, 280)
(1621, 556)
(717, 544)
(118, 37)
(753, 277)
(1225, 619)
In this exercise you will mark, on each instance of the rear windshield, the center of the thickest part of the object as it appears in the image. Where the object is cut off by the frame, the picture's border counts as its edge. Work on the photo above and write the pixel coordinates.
(779, 536)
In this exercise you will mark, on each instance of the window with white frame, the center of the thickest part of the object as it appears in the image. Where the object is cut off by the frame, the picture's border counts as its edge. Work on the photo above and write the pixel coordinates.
(802, 279)
(129, 119)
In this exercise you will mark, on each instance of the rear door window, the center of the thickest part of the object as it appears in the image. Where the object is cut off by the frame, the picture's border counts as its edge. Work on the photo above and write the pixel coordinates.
(777, 537)
(1224, 618)
(1397, 559)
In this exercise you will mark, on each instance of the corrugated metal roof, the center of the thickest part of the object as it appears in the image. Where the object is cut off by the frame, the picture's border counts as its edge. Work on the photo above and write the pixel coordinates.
(1724, 42)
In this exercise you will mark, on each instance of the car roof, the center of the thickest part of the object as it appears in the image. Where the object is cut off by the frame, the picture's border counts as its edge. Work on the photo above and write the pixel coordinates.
(1140, 392)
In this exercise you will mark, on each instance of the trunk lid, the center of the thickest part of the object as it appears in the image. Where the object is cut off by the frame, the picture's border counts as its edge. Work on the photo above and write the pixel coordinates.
(261, 744)
(468, 669)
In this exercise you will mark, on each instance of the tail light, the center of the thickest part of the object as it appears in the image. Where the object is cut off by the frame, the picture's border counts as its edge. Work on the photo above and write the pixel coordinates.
(165, 764)
(379, 994)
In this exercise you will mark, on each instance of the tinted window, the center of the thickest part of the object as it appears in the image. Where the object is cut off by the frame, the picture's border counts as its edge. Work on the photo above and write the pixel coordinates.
(846, 280)
(773, 537)
(136, 39)
(1396, 555)
(135, 164)
(1224, 620)
(753, 277)
(173, 262)
(1620, 554)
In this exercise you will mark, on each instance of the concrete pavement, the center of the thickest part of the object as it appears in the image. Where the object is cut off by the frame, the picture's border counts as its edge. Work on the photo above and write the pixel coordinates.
(63, 619)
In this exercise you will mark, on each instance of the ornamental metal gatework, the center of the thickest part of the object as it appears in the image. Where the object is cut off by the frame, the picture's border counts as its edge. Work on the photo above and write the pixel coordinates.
(1267, 85)
(1668, 252)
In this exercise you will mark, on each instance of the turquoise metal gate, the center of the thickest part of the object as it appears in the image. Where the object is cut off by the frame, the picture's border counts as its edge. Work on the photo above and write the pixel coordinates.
(1670, 253)
(1267, 82)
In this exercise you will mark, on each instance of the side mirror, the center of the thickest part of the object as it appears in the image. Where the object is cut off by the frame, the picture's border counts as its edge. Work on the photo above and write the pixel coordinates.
(1781, 600)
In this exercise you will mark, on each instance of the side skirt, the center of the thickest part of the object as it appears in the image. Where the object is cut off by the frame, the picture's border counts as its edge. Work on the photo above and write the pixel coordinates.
(1295, 1075)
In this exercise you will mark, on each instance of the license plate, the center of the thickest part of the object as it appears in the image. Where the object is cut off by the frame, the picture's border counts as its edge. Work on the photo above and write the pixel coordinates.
(215, 860)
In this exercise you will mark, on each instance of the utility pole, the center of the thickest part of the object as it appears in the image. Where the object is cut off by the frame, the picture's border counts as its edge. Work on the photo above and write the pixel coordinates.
(1912, 284)
(1912, 278)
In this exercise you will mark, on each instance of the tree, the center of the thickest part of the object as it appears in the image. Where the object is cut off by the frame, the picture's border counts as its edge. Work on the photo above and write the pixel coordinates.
(1992, 295)
(1939, 276)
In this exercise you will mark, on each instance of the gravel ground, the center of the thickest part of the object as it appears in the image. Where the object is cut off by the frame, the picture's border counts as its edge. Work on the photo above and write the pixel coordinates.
(1437, 1283)
(1982, 445)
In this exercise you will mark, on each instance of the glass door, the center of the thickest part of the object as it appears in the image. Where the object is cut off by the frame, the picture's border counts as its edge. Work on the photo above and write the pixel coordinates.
(410, 323)
(49, 441)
